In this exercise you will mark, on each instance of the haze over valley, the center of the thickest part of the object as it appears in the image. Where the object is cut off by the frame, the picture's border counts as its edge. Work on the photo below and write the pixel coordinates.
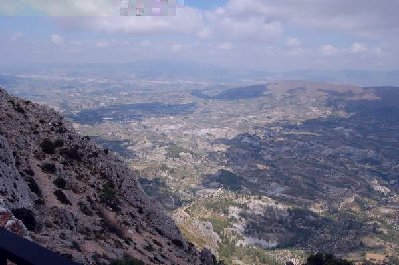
(200, 132)
(257, 171)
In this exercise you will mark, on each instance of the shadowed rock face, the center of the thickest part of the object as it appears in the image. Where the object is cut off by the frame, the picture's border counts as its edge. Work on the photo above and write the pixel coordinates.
(9, 222)
(13, 189)
(76, 198)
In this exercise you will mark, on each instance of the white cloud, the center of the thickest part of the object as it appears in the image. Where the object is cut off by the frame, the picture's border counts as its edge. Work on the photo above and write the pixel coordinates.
(188, 20)
(293, 42)
(102, 43)
(145, 43)
(295, 51)
(56, 39)
(225, 46)
(366, 17)
(8, 7)
(205, 33)
(379, 50)
(369, 17)
(249, 20)
(58, 8)
(272, 33)
(16, 36)
(358, 48)
(294, 46)
(176, 47)
(214, 24)
(223, 23)
(77, 42)
(328, 49)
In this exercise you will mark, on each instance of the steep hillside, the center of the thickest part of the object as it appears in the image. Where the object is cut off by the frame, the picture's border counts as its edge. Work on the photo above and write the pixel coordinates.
(76, 198)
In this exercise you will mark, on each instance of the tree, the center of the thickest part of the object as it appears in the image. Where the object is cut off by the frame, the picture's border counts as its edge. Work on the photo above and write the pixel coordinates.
(326, 259)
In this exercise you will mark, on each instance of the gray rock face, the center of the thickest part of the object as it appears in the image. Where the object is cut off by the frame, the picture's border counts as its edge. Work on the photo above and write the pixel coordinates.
(77, 198)
(14, 192)
(12, 224)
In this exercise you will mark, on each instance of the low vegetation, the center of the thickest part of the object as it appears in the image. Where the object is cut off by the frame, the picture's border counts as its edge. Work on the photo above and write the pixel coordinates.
(49, 168)
(85, 209)
(26, 216)
(62, 198)
(108, 196)
(34, 187)
(326, 259)
(127, 260)
(218, 224)
(60, 183)
(174, 151)
(72, 153)
(48, 146)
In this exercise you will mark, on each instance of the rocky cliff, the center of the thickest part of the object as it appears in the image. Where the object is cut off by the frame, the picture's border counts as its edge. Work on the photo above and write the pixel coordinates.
(75, 198)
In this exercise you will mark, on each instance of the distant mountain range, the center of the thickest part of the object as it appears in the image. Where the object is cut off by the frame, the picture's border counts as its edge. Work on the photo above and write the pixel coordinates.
(355, 77)
(194, 71)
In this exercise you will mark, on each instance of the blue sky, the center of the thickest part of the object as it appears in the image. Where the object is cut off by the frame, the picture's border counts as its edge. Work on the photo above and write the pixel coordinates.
(205, 4)
(274, 35)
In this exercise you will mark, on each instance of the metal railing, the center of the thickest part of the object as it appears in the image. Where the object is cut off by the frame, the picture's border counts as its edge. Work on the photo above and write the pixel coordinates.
(24, 252)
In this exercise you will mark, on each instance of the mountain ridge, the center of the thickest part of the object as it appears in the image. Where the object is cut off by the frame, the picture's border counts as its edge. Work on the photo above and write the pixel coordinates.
(78, 199)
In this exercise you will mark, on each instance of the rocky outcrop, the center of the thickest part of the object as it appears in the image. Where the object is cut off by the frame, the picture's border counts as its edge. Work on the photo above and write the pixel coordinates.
(13, 189)
(78, 199)
(9, 222)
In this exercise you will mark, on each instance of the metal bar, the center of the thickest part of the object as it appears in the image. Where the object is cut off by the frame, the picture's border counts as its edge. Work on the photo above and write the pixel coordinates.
(24, 252)
(3, 258)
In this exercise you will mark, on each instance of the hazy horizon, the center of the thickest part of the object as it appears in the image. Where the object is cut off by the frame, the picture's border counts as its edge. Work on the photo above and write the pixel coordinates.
(275, 36)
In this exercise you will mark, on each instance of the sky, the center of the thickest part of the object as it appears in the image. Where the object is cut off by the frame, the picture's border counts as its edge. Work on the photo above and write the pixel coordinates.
(271, 35)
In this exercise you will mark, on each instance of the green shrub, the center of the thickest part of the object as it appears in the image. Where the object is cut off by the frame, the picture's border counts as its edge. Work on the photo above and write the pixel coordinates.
(62, 197)
(218, 224)
(72, 153)
(127, 260)
(85, 209)
(76, 246)
(17, 106)
(107, 192)
(174, 151)
(29, 172)
(61, 129)
(32, 184)
(59, 143)
(108, 196)
(394, 260)
(60, 183)
(26, 216)
(178, 243)
(48, 146)
(229, 180)
(326, 259)
(48, 168)
(149, 248)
